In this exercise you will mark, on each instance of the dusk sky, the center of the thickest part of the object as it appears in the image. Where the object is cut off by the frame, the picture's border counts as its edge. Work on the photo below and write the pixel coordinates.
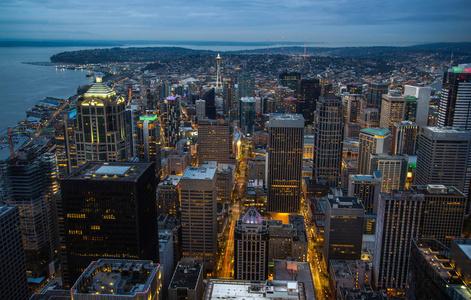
(372, 21)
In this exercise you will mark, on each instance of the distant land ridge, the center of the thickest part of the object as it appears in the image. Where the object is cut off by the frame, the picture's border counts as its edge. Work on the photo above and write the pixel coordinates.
(154, 54)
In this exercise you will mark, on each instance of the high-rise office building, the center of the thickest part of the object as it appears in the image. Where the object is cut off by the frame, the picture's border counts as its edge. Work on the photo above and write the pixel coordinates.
(282, 93)
(168, 195)
(200, 109)
(455, 100)
(444, 157)
(344, 217)
(392, 110)
(245, 85)
(228, 96)
(404, 137)
(351, 107)
(66, 150)
(187, 280)
(101, 133)
(13, 279)
(367, 189)
(410, 108)
(290, 80)
(369, 117)
(109, 211)
(397, 223)
(284, 162)
(133, 112)
(214, 141)
(309, 93)
(148, 138)
(210, 104)
(29, 181)
(171, 120)
(198, 211)
(328, 139)
(443, 212)
(247, 115)
(423, 102)
(393, 169)
(251, 247)
(374, 93)
(372, 140)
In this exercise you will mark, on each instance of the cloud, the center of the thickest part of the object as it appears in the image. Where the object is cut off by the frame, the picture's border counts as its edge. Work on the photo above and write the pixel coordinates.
(235, 20)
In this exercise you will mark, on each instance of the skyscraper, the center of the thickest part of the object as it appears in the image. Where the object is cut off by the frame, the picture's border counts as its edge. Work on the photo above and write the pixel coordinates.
(171, 120)
(168, 195)
(372, 140)
(374, 93)
(247, 115)
(214, 141)
(309, 93)
(245, 85)
(404, 136)
(101, 133)
(210, 105)
(443, 212)
(444, 157)
(344, 217)
(367, 189)
(284, 162)
(198, 211)
(29, 180)
(109, 212)
(66, 150)
(455, 100)
(397, 223)
(251, 247)
(423, 102)
(148, 137)
(290, 80)
(13, 280)
(393, 169)
(392, 110)
(328, 139)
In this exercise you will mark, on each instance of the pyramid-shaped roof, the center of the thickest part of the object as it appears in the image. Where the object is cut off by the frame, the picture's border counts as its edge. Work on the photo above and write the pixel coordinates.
(252, 216)
(99, 89)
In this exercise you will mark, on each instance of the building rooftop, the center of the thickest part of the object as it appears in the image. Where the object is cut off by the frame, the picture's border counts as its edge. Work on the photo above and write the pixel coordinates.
(186, 275)
(110, 171)
(244, 289)
(346, 202)
(380, 132)
(436, 189)
(363, 178)
(446, 130)
(116, 277)
(202, 173)
(172, 180)
(99, 89)
(437, 255)
(294, 270)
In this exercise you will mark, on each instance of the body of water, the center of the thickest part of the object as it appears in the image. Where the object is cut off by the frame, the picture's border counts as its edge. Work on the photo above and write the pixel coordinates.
(22, 85)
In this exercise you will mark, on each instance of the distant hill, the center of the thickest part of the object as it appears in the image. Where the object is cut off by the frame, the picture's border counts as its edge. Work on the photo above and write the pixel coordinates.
(154, 54)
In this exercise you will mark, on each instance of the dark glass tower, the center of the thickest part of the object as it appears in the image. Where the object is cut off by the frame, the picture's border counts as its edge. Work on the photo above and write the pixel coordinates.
(290, 80)
(109, 211)
(455, 101)
(209, 97)
(328, 141)
(309, 93)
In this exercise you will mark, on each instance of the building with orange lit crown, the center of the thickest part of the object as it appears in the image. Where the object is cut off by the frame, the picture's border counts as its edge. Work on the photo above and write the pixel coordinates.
(110, 212)
(285, 157)
(101, 133)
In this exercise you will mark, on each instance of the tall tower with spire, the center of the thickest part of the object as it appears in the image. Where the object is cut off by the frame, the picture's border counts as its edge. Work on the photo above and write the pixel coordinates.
(218, 76)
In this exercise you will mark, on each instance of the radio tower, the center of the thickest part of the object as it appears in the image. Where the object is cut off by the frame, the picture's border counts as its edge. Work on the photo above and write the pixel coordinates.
(218, 76)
